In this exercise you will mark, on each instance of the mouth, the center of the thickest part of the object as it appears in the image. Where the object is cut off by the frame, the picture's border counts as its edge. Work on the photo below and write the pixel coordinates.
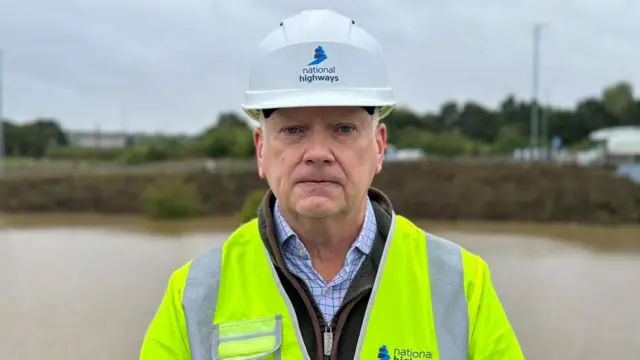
(318, 182)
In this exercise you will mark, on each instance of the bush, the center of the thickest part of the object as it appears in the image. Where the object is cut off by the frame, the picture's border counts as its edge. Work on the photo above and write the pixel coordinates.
(83, 154)
(448, 144)
(143, 153)
(154, 151)
(171, 199)
(227, 141)
(508, 139)
(250, 207)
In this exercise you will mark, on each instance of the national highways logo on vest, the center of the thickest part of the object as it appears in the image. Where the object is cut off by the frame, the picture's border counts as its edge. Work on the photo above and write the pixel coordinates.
(313, 72)
(402, 354)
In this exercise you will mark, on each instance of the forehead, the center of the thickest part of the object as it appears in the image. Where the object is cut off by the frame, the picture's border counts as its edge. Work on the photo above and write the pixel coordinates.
(320, 114)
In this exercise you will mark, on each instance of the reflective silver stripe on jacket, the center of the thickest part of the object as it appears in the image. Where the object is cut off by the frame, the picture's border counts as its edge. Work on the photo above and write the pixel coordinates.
(199, 301)
(201, 297)
(446, 275)
(448, 299)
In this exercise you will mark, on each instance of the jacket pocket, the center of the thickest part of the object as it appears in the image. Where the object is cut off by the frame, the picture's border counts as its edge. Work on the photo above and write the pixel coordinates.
(251, 339)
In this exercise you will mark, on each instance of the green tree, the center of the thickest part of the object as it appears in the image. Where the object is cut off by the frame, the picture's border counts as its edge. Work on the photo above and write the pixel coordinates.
(33, 138)
(479, 123)
(230, 137)
(229, 119)
(448, 144)
(402, 118)
(508, 139)
(617, 98)
(450, 115)
(453, 129)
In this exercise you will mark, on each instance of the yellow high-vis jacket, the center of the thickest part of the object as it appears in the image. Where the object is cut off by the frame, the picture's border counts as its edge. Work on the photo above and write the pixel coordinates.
(418, 296)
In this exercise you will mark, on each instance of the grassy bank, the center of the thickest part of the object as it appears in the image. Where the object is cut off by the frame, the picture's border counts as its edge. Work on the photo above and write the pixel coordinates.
(434, 189)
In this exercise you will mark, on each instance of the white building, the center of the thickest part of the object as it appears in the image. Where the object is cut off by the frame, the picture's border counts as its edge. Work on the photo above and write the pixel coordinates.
(110, 140)
(619, 144)
(96, 139)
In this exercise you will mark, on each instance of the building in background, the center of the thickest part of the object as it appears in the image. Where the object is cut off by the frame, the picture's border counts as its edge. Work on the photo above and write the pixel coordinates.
(393, 154)
(617, 147)
(95, 139)
(612, 146)
(112, 140)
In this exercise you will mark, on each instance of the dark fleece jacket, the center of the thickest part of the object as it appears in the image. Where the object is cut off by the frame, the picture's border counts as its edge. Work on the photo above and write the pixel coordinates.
(348, 320)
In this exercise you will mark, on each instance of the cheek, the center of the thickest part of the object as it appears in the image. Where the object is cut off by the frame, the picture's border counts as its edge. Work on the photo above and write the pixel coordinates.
(278, 164)
(270, 153)
(360, 162)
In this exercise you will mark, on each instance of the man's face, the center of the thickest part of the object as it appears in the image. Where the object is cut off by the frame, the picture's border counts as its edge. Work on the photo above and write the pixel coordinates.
(320, 161)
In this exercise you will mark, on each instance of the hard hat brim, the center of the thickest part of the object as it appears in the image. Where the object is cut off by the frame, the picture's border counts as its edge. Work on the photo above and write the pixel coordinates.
(259, 100)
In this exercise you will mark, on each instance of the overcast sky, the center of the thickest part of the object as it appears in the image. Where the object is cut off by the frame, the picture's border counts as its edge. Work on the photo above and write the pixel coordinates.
(172, 65)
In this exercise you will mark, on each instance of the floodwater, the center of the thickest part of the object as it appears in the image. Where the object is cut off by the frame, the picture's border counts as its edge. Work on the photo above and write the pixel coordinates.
(77, 289)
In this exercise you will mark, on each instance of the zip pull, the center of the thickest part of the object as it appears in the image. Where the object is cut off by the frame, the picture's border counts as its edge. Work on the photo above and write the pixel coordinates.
(328, 340)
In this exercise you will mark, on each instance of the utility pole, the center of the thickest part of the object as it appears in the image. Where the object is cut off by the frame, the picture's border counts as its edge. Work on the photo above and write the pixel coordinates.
(123, 118)
(535, 113)
(545, 142)
(544, 127)
(98, 136)
(2, 143)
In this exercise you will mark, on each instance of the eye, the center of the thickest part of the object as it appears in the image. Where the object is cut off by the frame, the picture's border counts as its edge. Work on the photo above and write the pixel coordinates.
(345, 129)
(291, 130)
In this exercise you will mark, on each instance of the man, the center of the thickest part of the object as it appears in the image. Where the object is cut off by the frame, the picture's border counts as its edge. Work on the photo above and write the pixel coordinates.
(327, 270)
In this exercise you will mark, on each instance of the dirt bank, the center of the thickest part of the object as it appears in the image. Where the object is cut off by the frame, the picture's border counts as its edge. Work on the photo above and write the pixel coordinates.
(434, 189)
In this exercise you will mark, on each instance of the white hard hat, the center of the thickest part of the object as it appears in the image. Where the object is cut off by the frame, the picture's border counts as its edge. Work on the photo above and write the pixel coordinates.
(318, 58)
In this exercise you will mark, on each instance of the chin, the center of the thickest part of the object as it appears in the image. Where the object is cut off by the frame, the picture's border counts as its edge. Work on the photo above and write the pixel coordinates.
(317, 207)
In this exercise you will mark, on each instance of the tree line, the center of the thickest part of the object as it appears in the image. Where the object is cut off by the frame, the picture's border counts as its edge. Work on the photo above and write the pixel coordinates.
(467, 128)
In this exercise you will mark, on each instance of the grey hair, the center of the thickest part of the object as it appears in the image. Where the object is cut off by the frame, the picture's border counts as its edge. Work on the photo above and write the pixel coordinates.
(376, 117)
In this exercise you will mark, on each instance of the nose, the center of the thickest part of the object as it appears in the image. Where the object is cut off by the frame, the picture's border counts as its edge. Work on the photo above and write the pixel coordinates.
(318, 149)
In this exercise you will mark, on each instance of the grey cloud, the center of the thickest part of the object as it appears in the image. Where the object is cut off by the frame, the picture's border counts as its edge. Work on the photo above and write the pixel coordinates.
(174, 64)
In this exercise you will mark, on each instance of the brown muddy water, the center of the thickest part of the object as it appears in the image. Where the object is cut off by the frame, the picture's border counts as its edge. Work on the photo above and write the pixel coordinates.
(78, 288)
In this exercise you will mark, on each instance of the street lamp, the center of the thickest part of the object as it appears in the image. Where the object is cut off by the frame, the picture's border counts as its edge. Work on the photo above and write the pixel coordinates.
(1, 115)
(535, 114)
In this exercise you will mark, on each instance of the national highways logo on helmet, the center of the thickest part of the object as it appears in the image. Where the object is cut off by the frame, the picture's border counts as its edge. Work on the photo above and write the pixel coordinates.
(318, 57)
(315, 73)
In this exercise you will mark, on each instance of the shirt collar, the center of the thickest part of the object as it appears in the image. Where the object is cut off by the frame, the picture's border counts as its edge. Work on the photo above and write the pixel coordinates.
(284, 233)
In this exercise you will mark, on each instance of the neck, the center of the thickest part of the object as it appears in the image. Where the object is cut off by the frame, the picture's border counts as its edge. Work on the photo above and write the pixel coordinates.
(328, 240)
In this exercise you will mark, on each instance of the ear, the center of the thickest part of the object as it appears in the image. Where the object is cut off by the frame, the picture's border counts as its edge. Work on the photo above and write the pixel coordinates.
(381, 141)
(258, 142)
